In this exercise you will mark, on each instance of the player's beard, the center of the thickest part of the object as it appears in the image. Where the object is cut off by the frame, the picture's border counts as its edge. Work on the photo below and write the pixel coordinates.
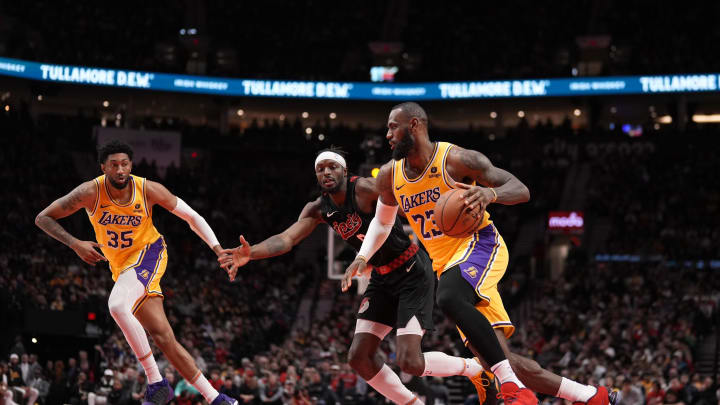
(117, 185)
(404, 147)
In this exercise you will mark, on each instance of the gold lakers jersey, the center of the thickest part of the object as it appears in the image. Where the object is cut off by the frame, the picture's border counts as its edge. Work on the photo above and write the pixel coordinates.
(417, 198)
(125, 231)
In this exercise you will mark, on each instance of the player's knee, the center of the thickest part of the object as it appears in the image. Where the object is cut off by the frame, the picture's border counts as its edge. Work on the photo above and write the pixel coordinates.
(358, 358)
(163, 337)
(414, 365)
(118, 308)
(447, 302)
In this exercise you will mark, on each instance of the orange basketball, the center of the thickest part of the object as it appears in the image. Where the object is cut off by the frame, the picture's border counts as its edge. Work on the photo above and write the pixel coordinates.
(453, 218)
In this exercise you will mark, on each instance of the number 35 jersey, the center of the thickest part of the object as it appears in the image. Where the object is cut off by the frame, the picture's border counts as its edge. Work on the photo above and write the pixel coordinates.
(125, 231)
(417, 198)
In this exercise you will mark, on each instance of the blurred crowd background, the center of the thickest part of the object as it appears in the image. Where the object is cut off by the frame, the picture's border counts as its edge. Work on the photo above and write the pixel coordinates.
(632, 306)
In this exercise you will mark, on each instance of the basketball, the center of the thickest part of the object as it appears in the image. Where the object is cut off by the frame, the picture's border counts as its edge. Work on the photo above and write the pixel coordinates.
(453, 218)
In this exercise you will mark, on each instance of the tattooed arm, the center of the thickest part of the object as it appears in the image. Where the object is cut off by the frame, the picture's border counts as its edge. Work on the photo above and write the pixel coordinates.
(501, 186)
(83, 196)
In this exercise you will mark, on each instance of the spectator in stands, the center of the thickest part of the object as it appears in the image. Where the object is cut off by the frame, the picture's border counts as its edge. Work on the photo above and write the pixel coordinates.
(6, 392)
(16, 382)
(317, 389)
(655, 395)
(137, 389)
(118, 394)
(271, 391)
(78, 393)
(229, 388)
(249, 390)
(103, 388)
(630, 394)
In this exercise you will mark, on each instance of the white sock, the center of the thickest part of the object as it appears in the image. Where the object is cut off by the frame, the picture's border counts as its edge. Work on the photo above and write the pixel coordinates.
(205, 388)
(574, 391)
(387, 383)
(440, 364)
(505, 373)
(151, 369)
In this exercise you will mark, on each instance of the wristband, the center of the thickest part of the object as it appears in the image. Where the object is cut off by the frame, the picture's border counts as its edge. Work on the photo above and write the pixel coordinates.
(494, 193)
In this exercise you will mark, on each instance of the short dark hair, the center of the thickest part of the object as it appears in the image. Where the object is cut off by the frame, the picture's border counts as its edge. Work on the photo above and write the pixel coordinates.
(112, 147)
(334, 149)
(413, 110)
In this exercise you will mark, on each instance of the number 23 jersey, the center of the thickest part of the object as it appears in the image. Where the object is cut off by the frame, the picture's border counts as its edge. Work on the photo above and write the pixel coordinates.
(125, 231)
(417, 198)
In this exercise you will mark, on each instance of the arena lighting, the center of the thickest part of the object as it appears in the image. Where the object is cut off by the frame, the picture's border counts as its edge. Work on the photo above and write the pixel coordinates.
(40, 97)
(7, 108)
(305, 114)
(321, 137)
(106, 104)
(664, 119)
(240, 112)
(706, 118)
(333, 115)
(34, 340)
(577, 112)
(374, 172)
(493, 114)
(389, 91)
(308, 130)
(521, 113)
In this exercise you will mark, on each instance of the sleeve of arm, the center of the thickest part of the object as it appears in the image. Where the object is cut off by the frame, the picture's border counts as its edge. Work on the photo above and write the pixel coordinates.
(197, 223)
(379, 229)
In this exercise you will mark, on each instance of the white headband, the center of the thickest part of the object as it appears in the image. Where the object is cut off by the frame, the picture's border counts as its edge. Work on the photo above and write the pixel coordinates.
(327, 155)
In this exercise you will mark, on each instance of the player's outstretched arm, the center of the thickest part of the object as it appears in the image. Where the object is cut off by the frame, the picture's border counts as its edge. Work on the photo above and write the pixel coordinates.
(379, 228)
(275, 245)
(83, 196)
(157, 194)
(501, 186)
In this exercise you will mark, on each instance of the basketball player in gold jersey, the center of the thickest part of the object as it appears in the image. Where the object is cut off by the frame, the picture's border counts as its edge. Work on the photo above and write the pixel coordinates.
(468, 269)
(119, 206)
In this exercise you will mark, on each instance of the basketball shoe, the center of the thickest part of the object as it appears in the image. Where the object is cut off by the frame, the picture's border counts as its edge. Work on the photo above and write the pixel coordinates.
(159, 393)
(601, 397)
(512, 395)
(223, 399)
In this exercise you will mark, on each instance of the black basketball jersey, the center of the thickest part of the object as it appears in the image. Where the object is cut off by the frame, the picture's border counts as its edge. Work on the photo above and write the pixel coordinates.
(352, 225)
